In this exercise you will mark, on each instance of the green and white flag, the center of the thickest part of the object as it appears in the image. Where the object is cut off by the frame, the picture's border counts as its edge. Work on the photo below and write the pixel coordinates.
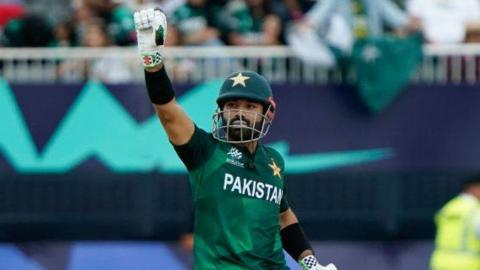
(383, 66)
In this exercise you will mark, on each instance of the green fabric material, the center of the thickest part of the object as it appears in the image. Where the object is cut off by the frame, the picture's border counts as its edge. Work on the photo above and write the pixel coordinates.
(121, 25)
(383, 67)
(190, 19)
(238, 19)
(237, 205)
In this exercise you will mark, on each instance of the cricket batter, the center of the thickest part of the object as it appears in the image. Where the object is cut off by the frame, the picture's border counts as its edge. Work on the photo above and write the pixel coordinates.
(243, 221)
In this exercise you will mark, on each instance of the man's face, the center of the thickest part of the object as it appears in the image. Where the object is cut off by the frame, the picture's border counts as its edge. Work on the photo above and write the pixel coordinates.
(243, 117)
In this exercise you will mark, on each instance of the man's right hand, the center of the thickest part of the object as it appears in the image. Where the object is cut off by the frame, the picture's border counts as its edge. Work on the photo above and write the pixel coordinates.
(151, 26)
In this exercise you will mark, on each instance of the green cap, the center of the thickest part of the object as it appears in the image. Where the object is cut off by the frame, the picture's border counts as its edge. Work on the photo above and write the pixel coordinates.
(247, 85)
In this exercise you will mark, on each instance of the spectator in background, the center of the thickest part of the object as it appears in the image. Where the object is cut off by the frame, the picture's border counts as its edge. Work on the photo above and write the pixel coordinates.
(83, 12)
(457, 242)
(118, 18)
(197, 24)
(337, 23)
(10, 9)
(65, 34)
(54, 10)
(30, 30)
(366, 17)
(447, 21)
(293, 9)
(109, 68)
(106, 69)
(167, 6)
(193, 24)
(252, 23)
(96, 34)
(473, 32)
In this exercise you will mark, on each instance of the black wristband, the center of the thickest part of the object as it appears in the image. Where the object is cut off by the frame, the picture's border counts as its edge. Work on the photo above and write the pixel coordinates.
(159, 87)
(294, 240)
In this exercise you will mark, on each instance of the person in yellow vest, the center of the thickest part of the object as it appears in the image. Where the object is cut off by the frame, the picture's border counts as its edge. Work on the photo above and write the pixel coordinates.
(457, 243)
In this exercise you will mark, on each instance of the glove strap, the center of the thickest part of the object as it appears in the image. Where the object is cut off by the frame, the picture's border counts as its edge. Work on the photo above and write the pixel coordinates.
(151, 58)
(308, 262)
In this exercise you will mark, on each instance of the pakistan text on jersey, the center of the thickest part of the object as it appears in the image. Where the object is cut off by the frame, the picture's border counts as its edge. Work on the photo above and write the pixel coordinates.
(252, 188)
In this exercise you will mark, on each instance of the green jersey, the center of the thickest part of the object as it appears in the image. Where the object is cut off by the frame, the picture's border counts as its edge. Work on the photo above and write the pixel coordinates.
(191, 19)
(239, 19)
(238, 197)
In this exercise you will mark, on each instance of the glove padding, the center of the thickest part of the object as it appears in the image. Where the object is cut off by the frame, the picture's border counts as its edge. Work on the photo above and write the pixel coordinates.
(310, 263)
(151, 26)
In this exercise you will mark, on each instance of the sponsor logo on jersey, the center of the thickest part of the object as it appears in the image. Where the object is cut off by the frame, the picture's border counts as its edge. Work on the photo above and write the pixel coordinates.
(234, 155)
(252, 188)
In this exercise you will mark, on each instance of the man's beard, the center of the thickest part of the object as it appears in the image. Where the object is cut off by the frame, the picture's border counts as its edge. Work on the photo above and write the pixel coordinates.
(245, 132)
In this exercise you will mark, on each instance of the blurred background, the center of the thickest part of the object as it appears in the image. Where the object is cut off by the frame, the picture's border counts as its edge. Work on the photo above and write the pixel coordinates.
(377, 121)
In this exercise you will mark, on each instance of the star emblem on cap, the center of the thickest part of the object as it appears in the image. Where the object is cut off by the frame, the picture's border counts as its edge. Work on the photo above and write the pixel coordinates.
(239, 79)
(275, 169)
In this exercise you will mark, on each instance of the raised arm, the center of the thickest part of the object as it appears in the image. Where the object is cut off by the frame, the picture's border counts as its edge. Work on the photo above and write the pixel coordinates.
(151, 26)
(175, 121)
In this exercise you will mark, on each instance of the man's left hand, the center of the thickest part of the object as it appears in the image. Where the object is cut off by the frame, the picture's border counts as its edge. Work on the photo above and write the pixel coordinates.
(328, 267)
(310, 263)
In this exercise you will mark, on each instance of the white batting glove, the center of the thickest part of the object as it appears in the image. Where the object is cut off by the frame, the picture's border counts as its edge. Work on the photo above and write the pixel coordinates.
(310, 263)
(151, 26)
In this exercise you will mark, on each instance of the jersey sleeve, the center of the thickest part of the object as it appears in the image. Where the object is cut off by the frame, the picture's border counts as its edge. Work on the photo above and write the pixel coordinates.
(197, 150)
(284, 203)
